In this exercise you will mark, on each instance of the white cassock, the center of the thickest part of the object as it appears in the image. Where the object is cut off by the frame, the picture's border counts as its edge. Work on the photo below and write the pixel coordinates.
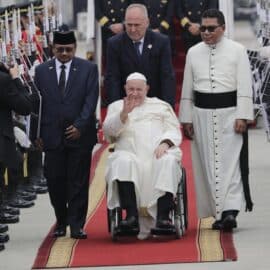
(133, 158)
(219, 68)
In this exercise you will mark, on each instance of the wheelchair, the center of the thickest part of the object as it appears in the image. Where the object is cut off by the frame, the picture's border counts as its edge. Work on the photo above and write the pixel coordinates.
(178, 215)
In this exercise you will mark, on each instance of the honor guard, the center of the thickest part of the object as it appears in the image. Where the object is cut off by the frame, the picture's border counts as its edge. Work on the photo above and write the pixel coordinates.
(110, 15)
(189, 13)
(160, 14)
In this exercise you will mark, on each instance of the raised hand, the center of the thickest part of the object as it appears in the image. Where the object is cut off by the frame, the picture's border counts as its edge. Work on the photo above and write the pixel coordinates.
(129, 103)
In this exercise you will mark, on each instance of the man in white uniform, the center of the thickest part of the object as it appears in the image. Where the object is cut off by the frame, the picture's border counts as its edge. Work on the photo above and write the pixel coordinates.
(144, 170)
(216, 102)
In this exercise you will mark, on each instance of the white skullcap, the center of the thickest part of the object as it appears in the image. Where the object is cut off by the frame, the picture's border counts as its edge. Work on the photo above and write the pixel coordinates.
(136, 76)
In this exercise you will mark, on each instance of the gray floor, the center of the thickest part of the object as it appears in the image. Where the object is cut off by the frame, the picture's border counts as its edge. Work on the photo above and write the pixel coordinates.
(252, 239)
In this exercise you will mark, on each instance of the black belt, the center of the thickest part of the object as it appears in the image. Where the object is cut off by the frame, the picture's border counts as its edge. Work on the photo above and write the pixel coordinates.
(215, 100)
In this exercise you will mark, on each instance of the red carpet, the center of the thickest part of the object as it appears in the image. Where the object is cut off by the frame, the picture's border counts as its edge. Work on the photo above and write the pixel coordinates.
(199, 244)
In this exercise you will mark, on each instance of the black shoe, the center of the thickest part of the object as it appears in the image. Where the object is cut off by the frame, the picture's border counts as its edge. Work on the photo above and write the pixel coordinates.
(164, 224)
(20, 203)
(28, 196)
(2, 247)
(217, 225)
(7, 218)
(78, 234)
(37, 189)
(130, 222)
(4, 238)
(59, 231)
(9, 210)
(3, 228)
(229, 223)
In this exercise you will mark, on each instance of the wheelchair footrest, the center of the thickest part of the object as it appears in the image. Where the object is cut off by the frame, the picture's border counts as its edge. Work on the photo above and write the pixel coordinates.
(119, 231)
(163, 231)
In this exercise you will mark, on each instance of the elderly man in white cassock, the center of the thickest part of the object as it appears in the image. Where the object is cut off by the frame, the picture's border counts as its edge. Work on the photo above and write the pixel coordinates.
(144, 170)
(215, 105)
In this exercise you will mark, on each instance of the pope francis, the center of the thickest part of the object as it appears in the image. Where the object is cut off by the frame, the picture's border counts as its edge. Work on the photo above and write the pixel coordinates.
(144, 170)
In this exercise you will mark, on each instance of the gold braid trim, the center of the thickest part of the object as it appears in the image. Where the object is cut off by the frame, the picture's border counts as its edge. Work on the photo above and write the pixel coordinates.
(103, 20)
(165, 25)
(184, 21)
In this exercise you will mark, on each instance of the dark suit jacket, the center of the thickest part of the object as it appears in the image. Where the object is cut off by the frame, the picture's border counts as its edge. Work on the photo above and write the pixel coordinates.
(13, 97)
(155, 63)
(77, 107)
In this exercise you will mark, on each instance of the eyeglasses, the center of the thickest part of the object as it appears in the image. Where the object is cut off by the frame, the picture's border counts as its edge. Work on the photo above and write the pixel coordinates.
(210, 28)
(64, 49)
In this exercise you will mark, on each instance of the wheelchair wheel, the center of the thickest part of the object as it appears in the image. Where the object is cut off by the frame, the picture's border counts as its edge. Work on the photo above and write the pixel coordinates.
(180, 212)
(185, 197)
(114, 216)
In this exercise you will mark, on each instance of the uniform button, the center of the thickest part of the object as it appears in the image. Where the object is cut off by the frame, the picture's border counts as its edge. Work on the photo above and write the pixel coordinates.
(199, 13)
(113, 19)
(212, 68)
(112, 11)
(201, 3)
(218, 212)
(158, 15)
(122, 9)
(189, 13)
(109, 2)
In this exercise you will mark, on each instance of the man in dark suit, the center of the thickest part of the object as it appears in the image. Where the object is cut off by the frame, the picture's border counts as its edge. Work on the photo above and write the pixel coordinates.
(69, 90)
(13, 96)
(139, 49)
(189, 13)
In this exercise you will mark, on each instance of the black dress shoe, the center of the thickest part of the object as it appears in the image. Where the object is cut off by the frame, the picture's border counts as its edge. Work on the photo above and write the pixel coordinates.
(217, 225)
(59, 231)
(9, 210)
(37, 189)
(229, 223)
(78, 234)
(164, 224)
(7, 218)
(4, 238)
(2, 247)
(3, 228)
(20, 203)
(28, 196)
(129, 222)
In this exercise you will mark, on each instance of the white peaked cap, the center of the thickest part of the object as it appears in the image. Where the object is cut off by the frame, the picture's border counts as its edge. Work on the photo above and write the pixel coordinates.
(136, 76)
